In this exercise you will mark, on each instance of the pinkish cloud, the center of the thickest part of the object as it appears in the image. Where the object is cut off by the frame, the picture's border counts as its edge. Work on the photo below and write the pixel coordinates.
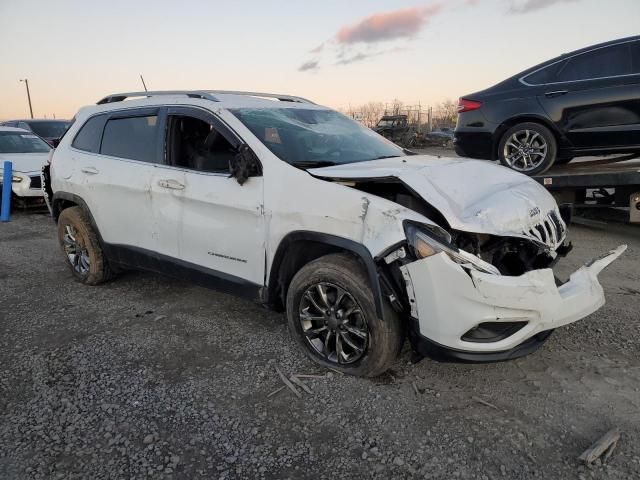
(388, 25)
(318, 49)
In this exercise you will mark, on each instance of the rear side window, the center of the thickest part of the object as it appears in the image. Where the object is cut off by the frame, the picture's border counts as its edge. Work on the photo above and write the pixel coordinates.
(604, 62)
(544, 75)
(89, 136)
(133, 137)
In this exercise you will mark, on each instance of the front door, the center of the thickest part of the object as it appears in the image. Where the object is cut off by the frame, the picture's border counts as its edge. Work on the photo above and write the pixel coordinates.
(218, 223)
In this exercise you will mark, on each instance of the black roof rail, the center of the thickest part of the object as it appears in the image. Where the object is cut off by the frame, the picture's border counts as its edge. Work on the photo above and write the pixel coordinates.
(277, 96)
(202, 94)
(119, 97)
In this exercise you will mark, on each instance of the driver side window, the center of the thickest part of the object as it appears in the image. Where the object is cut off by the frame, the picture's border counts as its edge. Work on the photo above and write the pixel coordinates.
(197, 145)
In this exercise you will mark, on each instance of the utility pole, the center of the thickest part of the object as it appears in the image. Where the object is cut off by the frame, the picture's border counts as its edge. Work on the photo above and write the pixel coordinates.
(26, 82)
(143, 84)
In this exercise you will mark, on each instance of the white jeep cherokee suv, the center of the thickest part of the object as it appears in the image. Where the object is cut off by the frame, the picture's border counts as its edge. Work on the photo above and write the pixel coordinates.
(292, 204)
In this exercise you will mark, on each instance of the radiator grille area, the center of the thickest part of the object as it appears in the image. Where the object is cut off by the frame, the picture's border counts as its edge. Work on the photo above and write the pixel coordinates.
(550, 231)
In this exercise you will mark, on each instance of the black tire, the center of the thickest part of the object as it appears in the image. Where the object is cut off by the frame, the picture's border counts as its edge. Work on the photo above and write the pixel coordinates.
(73, 219)
(535, 128)
(385, 337)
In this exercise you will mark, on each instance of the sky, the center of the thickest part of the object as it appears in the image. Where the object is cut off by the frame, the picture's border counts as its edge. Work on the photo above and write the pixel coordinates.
(334, 52)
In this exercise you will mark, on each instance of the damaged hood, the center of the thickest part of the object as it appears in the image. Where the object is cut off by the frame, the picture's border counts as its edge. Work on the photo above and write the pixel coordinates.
(473, 195)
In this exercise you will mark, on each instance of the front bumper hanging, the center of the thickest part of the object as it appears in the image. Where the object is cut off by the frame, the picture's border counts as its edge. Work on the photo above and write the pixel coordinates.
(448, 301)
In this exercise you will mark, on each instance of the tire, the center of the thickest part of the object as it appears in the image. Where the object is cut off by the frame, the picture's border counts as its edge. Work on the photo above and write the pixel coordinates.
(334, 273)
(75, 234)
(528, 147)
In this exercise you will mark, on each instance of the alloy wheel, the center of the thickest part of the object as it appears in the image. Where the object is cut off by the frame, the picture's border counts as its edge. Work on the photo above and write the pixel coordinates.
(525, 150)
(333, 323)
(76, 253)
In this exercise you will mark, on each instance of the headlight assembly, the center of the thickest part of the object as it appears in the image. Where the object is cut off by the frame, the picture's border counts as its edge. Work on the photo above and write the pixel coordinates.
(427, 240)
(16, 179)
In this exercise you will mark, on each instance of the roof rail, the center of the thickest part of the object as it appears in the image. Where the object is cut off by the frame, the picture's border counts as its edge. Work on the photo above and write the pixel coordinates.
(119, 97)
(282, 98)
(203, 94)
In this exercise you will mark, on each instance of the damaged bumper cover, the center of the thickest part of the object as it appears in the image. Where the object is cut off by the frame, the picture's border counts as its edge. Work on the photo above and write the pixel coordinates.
(447, 302)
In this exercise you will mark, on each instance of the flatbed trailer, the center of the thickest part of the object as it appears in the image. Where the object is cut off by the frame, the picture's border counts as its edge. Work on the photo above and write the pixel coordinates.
(611, 183)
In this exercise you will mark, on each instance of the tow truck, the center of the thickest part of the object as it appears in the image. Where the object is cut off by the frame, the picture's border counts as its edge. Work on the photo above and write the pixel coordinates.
(594, 187)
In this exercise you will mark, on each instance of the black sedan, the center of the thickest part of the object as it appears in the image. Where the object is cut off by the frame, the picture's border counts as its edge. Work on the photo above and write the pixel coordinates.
(583, 103)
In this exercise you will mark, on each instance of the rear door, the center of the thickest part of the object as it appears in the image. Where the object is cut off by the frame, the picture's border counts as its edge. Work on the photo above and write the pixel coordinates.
(115, 157)
(594, 97)
(218, 224)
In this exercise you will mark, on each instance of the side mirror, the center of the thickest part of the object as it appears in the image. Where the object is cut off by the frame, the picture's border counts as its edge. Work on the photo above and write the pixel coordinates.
(245, 164)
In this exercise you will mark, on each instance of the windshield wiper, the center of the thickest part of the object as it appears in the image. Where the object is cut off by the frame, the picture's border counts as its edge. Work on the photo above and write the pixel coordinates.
(314, 164)
(386, 156)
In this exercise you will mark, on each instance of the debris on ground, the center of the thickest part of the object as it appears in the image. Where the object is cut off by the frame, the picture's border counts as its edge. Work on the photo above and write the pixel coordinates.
(275, 391)
(300, 383)
(604, 445)
(484, 402)
(286, 381)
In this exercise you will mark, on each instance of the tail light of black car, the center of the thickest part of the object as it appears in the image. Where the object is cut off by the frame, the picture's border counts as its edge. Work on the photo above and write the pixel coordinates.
(466, 105)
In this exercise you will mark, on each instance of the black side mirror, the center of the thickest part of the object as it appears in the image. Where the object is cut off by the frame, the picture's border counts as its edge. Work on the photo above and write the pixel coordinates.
(245, 164)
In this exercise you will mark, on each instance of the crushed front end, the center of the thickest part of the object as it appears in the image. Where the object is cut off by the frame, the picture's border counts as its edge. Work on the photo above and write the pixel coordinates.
(479, 297)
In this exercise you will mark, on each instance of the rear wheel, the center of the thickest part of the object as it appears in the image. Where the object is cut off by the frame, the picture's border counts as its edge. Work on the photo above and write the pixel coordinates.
(332, 315)
(81, 247)
(529, 148)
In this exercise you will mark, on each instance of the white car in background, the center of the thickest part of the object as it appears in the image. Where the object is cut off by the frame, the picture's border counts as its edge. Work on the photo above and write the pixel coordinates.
(294, 205)
(28, 154)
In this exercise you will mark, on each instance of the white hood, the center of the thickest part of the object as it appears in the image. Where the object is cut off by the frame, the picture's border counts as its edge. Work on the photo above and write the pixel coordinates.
(30, 163)
(473, 195)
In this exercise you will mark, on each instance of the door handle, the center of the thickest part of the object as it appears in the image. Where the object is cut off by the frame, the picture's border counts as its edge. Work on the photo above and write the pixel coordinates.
(89, 170)
(555, 93)
(171, 183)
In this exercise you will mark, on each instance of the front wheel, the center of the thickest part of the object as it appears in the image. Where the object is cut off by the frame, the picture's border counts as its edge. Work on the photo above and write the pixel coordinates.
(528, 147)
(332, 315)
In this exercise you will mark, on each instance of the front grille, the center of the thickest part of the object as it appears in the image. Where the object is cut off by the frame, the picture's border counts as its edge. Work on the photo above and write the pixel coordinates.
(36, 182)
(550, 231)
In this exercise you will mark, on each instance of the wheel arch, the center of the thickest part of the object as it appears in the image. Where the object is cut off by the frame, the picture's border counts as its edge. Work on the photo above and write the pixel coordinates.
(298, 248)
(561, 140)
(64, 200)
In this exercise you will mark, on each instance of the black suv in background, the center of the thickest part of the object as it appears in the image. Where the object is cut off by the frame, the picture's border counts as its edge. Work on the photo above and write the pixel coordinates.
(50, 130)
(582, 103)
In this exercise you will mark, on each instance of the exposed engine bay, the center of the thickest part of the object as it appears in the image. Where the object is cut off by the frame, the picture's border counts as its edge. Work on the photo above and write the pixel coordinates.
(512, 256)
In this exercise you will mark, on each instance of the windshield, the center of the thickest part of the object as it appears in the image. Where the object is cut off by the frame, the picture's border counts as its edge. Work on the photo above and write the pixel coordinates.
(49, 129)
(309, 137)
(16, 142)
(385, 123)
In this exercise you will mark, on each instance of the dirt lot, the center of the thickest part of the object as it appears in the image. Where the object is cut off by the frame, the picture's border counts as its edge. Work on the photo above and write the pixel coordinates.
(151, 377)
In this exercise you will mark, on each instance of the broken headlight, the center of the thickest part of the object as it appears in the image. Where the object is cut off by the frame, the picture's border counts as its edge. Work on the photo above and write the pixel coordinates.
(427, 240)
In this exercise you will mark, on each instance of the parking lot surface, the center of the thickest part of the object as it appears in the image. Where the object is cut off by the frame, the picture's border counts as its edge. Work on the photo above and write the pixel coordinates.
(149, 377)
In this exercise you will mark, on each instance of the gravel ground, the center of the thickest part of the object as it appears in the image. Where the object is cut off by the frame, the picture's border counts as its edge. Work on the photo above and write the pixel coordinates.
(151, 377)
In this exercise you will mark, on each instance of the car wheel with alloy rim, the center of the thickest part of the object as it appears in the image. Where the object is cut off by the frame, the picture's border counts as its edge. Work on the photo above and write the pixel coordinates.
(529, 148)
(331, 313)
(81, 247)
